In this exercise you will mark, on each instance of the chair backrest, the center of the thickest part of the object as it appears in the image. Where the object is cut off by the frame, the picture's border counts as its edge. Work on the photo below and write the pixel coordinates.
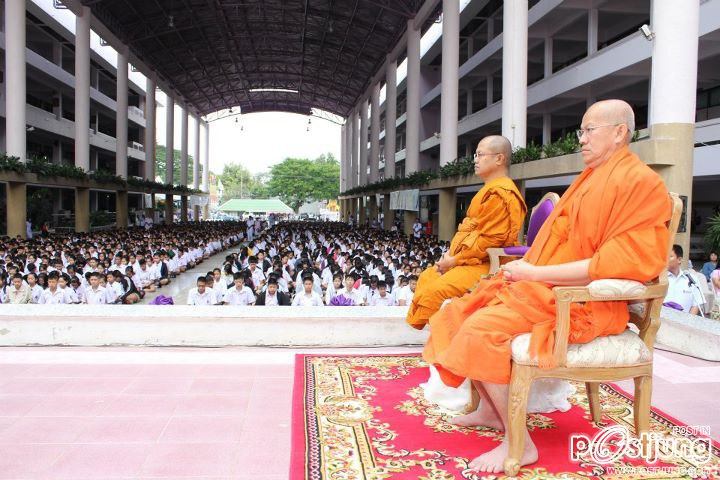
(649, 321)
(540, 212)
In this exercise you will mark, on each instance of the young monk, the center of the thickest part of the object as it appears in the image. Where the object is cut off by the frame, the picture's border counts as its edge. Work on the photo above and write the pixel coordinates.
(611, 223)
(494, 219)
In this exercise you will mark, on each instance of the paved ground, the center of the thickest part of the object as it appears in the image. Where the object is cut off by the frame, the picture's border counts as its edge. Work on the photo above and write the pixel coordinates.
(162, 413)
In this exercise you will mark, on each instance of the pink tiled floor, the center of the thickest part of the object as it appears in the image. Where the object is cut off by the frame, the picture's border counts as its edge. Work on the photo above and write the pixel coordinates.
(111, 413)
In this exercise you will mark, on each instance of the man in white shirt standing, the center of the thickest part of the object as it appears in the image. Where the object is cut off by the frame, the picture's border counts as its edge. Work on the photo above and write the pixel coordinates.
(308, 297)
(239, 294)
(417, 228)
(201, 295)
(682, 289)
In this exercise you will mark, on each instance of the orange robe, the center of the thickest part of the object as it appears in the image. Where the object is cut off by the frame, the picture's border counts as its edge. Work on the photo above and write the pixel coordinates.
(615, 215)
(494, 219)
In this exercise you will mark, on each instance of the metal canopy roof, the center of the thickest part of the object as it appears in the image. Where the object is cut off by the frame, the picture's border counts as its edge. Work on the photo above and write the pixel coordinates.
(215, 52)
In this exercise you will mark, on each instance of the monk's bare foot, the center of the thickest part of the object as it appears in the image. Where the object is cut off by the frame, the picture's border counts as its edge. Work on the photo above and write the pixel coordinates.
(494, 460)
(482, 417)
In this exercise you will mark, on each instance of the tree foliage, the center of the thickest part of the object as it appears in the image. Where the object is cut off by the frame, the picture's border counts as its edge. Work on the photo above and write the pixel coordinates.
(238, 182)
(161, 166)
(300, 180)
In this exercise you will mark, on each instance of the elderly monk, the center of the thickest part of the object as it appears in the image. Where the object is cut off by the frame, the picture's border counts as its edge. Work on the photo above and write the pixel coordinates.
(611, 223)
(494, 219)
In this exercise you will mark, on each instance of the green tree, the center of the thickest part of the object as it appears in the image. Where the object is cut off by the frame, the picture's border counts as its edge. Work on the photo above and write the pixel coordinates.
(161, 166)
(238, 182)
(300, 180)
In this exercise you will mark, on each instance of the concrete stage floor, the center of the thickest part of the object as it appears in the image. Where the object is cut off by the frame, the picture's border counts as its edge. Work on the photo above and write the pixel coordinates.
(202, 413)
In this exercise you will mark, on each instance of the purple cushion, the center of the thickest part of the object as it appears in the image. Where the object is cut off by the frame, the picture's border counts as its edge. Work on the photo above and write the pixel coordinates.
(542, 212)
(519, 250)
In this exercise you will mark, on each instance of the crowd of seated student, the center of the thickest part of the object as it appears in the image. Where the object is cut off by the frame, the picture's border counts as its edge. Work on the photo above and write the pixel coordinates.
(320, 263)
(116, 266)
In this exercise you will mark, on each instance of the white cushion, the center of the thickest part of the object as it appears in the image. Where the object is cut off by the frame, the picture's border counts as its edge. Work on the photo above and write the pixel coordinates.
(625, 349)
(608, 287)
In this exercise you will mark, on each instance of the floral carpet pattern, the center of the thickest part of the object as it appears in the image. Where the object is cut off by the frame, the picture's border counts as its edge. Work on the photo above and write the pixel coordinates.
(365, 417)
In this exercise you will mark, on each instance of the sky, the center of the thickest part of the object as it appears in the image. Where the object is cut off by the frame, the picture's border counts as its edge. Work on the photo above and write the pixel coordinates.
(266, 138)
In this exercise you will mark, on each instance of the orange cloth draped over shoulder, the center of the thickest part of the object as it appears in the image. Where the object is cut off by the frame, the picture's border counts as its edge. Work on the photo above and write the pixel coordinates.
(615, 215)
(494, 219)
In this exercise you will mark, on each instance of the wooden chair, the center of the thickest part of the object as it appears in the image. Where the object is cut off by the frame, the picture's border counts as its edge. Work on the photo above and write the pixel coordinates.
(538, 215)
(605, 359)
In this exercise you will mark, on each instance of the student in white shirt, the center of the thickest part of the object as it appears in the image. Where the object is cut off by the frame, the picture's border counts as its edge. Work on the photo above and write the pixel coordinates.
(681, 290)
(308, 297)
(201, 295)
(382, 298)
(405, 294)
(36, 290)
(239, 294)
(97, 294)
(54, 295)
(210, 286)
(356, 295)
(333, 289)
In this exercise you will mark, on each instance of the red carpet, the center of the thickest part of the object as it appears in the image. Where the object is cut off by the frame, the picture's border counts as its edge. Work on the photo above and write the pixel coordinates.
(364, 417)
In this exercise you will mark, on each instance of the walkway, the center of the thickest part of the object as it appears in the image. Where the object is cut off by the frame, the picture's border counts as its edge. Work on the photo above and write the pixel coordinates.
(162, 413)
(180, 285)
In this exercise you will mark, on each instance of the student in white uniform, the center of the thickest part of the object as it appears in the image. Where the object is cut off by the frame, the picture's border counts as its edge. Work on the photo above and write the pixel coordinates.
(405, 294)
(356, 295)
(239, 294)
(201, 295)
(53, 294)
(682, 289)
(97, 294)
(308, 297)
(382, 298)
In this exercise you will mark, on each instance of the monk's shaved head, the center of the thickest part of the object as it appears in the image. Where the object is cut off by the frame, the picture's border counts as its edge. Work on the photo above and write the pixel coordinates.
(498, 144)
(492, 157)
(613, 112)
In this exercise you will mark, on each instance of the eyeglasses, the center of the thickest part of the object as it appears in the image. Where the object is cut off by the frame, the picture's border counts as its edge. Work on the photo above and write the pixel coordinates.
(476, 154)
(582, 131)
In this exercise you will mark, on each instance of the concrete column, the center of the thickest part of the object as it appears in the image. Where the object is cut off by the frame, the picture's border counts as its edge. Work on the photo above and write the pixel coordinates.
(15, 82)
(388, 215)
(184, 147)
(169, 140)
(548, 57)
(206, 166)
(592, 31)
(375, 133)
(121, 208)
(196, 157)
(489, 90)
(673, 86)
(390, 116)
(373, 208)
(412, 122)
(450, 78)
(82, 210)
(196, 213)
(343, 161)
(82, 91)
(169, 209)
(408, 220)
(150, 132)
(354, 173)
(121, 116)
(446, 214)
(490, 28)
(514, 79)
(362, 213)
(547, 129)
(150, 210)
(469, 102)
(363, 160)
(17, 214)
(184, 208)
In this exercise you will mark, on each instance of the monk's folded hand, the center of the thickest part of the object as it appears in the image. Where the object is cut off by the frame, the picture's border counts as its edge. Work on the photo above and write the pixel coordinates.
(519, 270)
(446, 263)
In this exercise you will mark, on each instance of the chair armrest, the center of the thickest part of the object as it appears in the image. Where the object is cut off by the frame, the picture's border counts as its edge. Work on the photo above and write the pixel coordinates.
(494, 255)
(603, 290)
